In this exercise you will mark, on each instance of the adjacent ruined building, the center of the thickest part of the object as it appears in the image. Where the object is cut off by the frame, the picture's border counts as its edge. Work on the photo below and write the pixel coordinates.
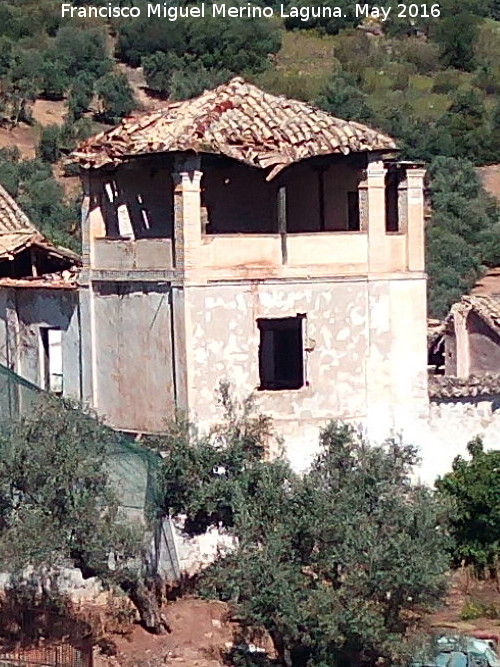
(464, 366)
(39, 314)
(253, 239)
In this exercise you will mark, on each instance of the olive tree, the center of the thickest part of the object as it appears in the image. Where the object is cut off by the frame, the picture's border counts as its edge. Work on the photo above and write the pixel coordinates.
(59, 507)
(329, 563)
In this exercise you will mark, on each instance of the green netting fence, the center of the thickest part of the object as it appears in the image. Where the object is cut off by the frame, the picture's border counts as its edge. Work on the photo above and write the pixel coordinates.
(132, 467)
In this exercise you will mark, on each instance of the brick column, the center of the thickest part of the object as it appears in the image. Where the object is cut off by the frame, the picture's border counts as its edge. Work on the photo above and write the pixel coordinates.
(415, 219)
(85, 226)
(187, 213)
(188, 221)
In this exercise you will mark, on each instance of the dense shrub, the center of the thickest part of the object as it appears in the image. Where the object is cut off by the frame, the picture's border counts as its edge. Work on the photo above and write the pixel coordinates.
(459, 236)
(115, 97)
(236, 45)
(473, 488)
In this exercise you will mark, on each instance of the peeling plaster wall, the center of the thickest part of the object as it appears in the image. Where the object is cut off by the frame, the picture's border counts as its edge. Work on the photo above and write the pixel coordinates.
(366, 366)
(133, 384)
(25, 311)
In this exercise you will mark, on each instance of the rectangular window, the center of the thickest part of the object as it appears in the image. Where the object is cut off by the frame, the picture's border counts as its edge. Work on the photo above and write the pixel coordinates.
(51, 366)
(281, 353)
(353, 223)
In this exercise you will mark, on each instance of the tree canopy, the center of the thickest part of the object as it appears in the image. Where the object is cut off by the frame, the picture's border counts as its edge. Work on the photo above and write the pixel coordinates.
(473, 489)
(462, 237)
(32, 184)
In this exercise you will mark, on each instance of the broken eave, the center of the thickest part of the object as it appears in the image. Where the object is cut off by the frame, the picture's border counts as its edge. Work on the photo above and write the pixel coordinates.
(236, 120)
(16, 243)
(40, 282)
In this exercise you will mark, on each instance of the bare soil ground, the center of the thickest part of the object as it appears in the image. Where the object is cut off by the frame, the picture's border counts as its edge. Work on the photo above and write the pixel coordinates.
(137, 82)
(46, 112)
(25, 137)
(200, 635)
(466, 589)
(490, 177)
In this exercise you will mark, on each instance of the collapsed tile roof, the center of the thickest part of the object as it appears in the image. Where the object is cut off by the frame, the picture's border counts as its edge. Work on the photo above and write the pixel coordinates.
(67, 279)
(435, 329)
(487, 307)
(238, 120)
(17, 233)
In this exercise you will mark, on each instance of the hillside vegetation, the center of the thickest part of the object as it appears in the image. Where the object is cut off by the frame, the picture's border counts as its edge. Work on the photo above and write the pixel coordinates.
(433, 83)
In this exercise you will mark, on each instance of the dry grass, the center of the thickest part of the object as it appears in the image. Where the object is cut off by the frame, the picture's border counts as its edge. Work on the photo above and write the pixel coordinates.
(303, 65)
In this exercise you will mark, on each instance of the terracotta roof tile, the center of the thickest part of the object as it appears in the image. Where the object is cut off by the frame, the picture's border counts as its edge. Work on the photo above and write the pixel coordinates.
(18, 232)
(442, 387)
(238, 120)
(12, 219)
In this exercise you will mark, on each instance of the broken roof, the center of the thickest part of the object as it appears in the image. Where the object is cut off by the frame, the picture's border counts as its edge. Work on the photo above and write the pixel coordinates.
(237, 120)
(487, 307)
(17, 232)
(66, 280)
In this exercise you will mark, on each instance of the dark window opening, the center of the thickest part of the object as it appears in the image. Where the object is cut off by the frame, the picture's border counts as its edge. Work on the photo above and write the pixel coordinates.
(436, 357)
(281, 356)
(29, 263)
(138, 204)
(51, 365)
(321, 199)
(353, 218)
(236, 199)
(392, 179)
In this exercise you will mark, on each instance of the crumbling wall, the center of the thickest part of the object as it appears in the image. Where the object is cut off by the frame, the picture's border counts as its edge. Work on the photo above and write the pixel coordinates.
(23, 312)
(135, 200)
(451, 425)
(132, 355)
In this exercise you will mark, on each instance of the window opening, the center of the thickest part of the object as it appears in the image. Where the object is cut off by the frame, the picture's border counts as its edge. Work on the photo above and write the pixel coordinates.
(281, 353)
(392, 201)
(52, 370)
(353, 218)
